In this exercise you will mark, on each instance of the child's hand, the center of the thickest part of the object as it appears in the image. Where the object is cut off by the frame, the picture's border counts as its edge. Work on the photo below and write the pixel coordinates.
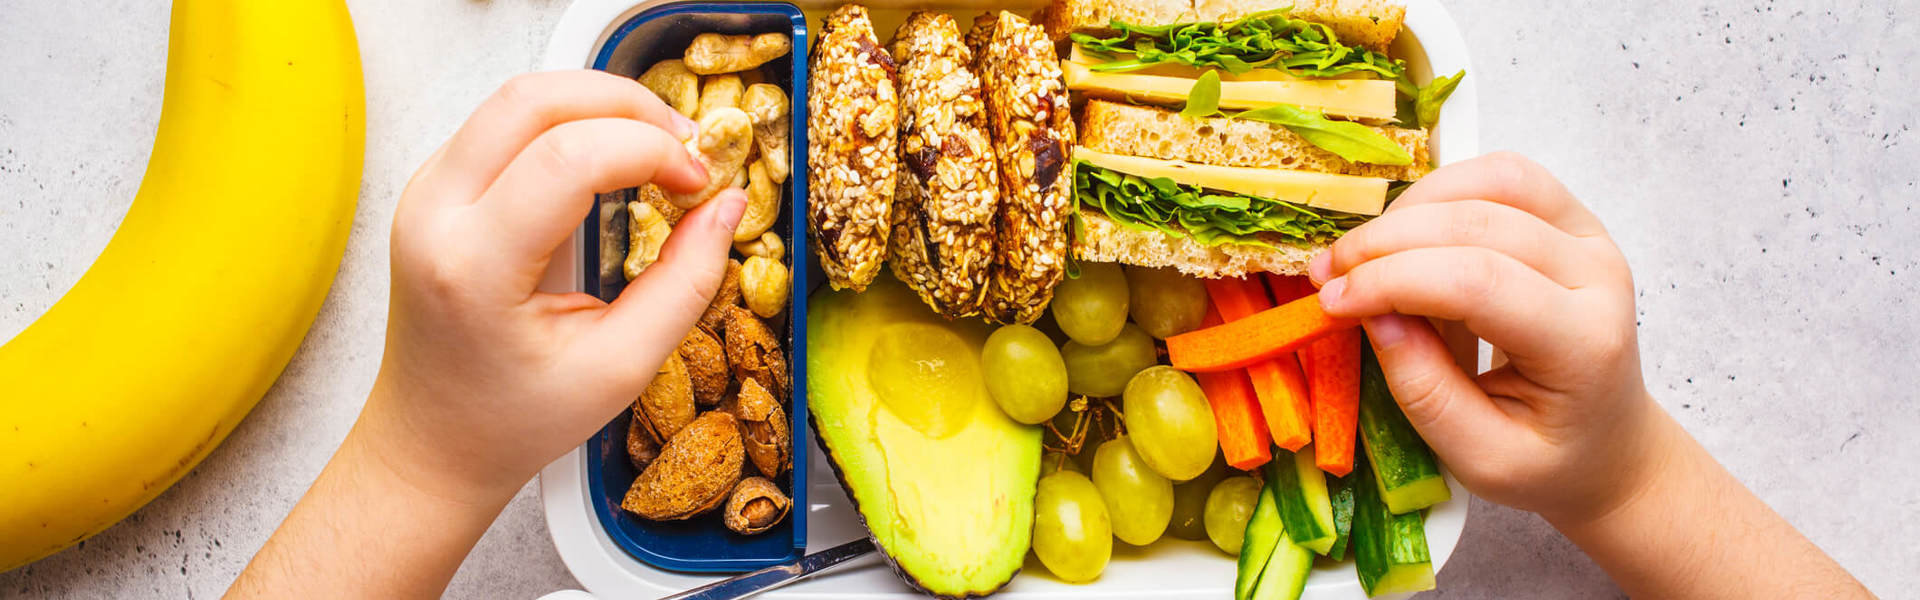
(1499, 244)
(485, 380)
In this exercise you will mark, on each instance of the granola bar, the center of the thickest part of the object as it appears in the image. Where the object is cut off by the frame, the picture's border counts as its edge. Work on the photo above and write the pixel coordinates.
(1027, 108)
(852, 149)
(942, 244)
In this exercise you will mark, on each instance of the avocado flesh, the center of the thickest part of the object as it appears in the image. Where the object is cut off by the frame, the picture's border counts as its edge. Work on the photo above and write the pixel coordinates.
(942, 478)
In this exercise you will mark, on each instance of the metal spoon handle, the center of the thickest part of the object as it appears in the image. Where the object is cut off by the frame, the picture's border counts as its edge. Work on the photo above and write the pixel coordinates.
(775, 576)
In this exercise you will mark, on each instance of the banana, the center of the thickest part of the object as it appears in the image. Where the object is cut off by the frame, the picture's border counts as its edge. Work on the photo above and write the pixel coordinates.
(209, 285)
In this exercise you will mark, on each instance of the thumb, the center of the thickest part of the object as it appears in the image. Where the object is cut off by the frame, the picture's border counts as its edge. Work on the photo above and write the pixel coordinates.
(1441, 401)
(657, 310)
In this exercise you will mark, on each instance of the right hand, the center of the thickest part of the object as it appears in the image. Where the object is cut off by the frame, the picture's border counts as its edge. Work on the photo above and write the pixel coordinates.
(1566, 429)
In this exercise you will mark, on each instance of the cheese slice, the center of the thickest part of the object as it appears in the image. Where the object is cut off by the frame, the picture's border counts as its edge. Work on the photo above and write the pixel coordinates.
(1174, 69)
(1344, 193)
(1350, 98)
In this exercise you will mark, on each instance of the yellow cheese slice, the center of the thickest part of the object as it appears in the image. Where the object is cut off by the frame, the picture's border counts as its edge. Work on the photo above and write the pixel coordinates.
(1350, 98)
(1344, 193)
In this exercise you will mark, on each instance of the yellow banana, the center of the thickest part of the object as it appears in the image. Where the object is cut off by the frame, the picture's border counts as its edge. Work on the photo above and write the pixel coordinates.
(210, 283)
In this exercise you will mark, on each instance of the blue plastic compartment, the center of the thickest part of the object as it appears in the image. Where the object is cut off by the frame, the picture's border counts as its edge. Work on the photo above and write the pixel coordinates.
(704, 544)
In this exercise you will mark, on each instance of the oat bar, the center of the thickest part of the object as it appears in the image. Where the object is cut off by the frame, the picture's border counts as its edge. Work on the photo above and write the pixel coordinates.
(852, 149)
(1027, 108)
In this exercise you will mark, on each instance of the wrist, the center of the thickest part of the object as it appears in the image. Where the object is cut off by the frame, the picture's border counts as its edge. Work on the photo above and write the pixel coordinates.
(1653, 458)
(389, 439)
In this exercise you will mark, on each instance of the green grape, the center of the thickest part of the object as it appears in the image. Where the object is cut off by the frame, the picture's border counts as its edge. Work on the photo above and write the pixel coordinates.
(1190, 502)
(1166, 302)
(1053, 461)
(1024, 373)
(1229, 506)
(1092, 307)
(1072, 533)
(1102, 371)
(1170, 422)
(1139, 500)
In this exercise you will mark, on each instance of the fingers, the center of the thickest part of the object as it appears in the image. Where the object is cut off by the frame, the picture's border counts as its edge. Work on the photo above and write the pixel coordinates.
(528, 106)
(1498, 298)
(655, 311)
(1498, 227)
(544, 194)
(1439, 399)
(1509, 179)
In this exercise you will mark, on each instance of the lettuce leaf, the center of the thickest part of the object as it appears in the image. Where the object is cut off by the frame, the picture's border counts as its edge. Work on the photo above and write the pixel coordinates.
(1205, 216)
(1270, 39)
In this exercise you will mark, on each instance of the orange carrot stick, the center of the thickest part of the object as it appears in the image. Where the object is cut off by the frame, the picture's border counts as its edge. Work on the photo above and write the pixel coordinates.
(1236, 413)
(1287, 288)
(1266, 334)
(1333, 379)
(1277, 381)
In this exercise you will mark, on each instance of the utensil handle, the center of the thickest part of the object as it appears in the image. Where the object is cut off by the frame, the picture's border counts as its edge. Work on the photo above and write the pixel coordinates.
(749, 584)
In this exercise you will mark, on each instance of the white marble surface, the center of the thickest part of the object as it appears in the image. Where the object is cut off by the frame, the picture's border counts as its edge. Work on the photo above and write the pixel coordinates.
(1754, 159)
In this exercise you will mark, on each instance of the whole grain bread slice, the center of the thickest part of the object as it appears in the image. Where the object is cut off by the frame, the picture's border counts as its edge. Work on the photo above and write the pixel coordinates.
(1104, 240)
(1158, 133)
(1370, 23)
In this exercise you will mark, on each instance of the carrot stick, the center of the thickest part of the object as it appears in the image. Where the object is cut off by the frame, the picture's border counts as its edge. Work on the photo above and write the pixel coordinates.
(1277, 381)
(1333, 377)
(1236, 413)
(1266, 334)
(1287, 288)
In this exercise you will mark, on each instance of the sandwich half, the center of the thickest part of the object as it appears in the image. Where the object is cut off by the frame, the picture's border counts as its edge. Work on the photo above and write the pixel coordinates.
(1243, 145)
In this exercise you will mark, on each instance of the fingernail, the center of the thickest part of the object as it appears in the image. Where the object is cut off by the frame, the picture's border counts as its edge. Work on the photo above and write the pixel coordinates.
(1321, 267)
(1385, 330)
(1330, 292)
(735, 205)
(683, 127)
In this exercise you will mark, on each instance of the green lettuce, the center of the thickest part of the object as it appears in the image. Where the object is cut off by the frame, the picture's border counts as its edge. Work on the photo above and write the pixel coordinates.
(1209, 217)
(1269, 39)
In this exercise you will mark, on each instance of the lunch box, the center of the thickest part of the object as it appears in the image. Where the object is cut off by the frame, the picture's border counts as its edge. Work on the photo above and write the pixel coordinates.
(615, 555)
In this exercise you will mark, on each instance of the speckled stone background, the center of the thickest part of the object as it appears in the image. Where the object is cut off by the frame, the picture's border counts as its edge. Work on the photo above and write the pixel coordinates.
(1754, 159)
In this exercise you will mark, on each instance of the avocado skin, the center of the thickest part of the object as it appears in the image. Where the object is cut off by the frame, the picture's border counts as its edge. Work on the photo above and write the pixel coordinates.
(1021, 468)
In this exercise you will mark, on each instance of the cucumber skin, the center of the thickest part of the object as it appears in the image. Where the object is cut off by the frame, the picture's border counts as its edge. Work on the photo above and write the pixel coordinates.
(1305, 511)
(1342, 498)
(1407, 473)
(1387, 547)
(1263, 535)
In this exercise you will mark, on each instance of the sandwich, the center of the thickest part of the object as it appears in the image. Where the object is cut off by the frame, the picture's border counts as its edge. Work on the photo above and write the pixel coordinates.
(1235, 136)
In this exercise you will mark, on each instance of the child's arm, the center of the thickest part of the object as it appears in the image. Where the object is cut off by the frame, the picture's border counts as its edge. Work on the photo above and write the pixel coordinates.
(1567, 429)
(486, 380)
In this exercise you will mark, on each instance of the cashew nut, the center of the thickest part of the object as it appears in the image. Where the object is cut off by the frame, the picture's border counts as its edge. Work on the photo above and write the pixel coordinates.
(647, 231)
(763, 204)
(765, 283)
(719, 91)
(726, 136)
(674, 84)
(769, 245)
(772, 130)
(715, 53)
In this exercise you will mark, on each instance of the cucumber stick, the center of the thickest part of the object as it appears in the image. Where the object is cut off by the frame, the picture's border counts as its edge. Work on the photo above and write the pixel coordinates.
(1300, 492)
(1340, 490)
(1286, 574)
(1389, 550)
(1404, 468)
(1263, 534)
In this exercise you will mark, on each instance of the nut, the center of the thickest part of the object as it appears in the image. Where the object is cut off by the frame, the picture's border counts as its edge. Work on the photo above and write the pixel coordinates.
(667, 404)
(755, 506)
(764, 284)
(647, 232)
(715, 53)
(706, 366)
(641, 447)
(674, 84)
(657, 198)
(772, 127)
(694, 473)
(763, 204)
(769, 245)
(715, 319)
(769, 439)
(719, 91)
(725, 138)
(754, 353)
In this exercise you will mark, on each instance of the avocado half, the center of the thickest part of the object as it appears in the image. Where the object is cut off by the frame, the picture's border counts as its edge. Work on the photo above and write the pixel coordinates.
(943, 480)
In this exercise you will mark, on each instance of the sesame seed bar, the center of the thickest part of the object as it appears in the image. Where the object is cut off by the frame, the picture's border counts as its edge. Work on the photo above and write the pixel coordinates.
(1027, 109)
(852, 155)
